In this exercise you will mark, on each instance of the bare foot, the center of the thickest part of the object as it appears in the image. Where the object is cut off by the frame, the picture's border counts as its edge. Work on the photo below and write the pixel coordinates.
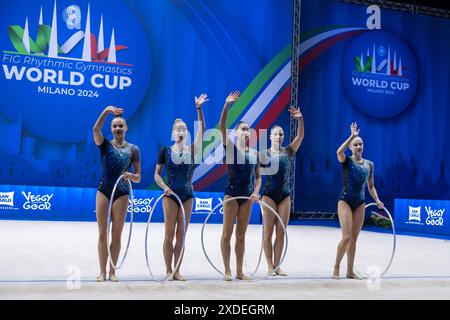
(169, 277)
(227, 277)
(113, 278)
(352, 275)
(271, 272)
(243, 277)
(336, 275)
(101, 277)
(280, 272)
(178, 276)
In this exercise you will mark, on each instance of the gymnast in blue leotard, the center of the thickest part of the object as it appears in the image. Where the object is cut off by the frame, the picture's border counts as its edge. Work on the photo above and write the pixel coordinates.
(357, 173)
(179, 163)
(275, 165)
(117, 157)
(243, 166)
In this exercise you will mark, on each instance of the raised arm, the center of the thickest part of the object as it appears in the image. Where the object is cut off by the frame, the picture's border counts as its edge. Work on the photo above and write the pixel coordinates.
(372, 190)
(97, 130)
(198, 142)
(341, 151)
(296, 114)
(232, 97)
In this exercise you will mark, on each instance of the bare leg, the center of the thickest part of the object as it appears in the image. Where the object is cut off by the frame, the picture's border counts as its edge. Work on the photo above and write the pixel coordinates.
(101, 208)
(119, 212)
(345, 220)
(170, 208)
(187, 205)
(229, 214)
(243, 218)
(284, 211)
(357, 223)
(269, 223)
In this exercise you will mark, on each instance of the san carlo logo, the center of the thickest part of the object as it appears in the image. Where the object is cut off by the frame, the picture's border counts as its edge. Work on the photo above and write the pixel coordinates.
(7, 200)
(61, 56)
(203, 205)
(380, 74)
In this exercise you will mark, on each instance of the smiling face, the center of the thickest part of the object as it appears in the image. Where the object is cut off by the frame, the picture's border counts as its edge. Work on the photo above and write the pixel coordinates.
(179, 131)
(357, 146)
(277, 135)
(119, 128)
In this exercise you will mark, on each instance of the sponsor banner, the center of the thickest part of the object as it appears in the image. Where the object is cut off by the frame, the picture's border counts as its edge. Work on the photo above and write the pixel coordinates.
(424, 216)
(78, 204)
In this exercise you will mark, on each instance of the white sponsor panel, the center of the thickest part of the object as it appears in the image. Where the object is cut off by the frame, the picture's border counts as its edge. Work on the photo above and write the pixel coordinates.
(7, 199)
(414, 214)
(203, 205)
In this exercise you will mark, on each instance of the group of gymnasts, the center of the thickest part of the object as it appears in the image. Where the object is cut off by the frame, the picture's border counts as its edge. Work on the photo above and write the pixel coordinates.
(245, 167)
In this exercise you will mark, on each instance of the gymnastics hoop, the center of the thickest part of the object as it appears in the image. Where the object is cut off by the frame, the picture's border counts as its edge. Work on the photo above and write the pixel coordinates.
(108, 222)
(394, 237)
(146, 237)
(261, 203)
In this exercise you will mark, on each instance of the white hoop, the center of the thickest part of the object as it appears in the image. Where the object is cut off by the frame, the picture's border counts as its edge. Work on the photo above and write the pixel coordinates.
(261, 203)
(394, 238)
(146, 237)
(108, 223)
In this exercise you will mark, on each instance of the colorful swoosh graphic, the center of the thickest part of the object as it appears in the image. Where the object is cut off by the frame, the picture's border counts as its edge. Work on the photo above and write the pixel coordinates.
(267, 95)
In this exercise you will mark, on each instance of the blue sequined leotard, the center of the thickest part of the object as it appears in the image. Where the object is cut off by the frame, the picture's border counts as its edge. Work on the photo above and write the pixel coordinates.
(179, 169)
(277, 167)
(241, 169)
(115, 161)
(355, 178)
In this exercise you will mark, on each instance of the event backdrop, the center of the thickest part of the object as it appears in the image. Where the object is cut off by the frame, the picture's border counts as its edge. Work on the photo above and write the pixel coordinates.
(150, 58)
(388, 72)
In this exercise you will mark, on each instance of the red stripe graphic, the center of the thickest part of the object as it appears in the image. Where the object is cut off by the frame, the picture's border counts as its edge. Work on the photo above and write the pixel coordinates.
(321, 47)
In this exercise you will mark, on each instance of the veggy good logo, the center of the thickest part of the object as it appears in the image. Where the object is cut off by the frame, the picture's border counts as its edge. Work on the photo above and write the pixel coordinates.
(60, 56)
(435, 217)
(140, 205)
(380, 74)
(37, 201)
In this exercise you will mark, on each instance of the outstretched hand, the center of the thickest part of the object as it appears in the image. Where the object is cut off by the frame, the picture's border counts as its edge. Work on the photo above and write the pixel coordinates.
(115, 111)
(201, 100)
(232, 97)
(354, 129)
(295, 112)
